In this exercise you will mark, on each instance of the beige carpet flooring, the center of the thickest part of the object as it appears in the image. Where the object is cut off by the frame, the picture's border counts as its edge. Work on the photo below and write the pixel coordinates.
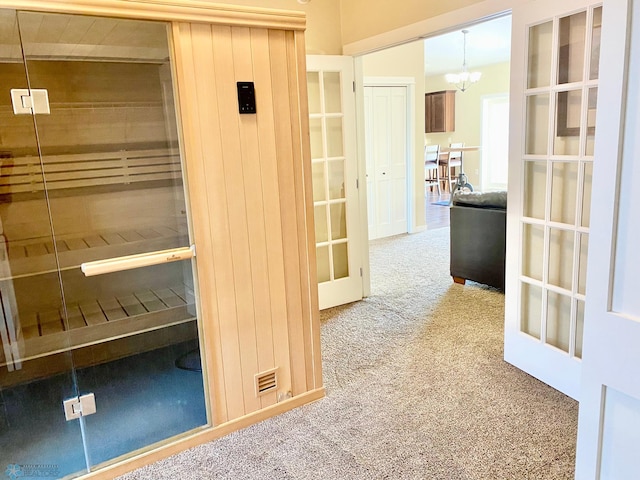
(416, 389)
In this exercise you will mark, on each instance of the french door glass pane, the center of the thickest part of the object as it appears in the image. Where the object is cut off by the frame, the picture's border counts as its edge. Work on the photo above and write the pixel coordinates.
(579, 327)
(315, 137)
(596, 28)
(332, 95)
(338, 221)
(568, 117)
(571, 48)
(532, 251)
(313, 91)
(340, 263)
(558, 320)
(537, 132)
(322, 259)
(335, 143)
(319, 181)
(336, 179)
(322, 230)
(531, 310)
(535, 183)
(564, 187)
(583, 245)
(586, 194)
(539, 61)
(561, 258)
(113, 177)
(591, 121)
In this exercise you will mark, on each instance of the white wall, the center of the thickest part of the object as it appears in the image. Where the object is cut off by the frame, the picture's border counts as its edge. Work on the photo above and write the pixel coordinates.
(406, 61)
(468, 129)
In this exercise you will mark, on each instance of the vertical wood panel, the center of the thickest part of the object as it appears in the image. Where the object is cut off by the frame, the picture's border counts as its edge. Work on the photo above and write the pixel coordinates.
(237, 210)
(200, 215)
(210, 123)
(251, 160)
(273, 224)
(296, 79)
(312, 276)
(286, 177)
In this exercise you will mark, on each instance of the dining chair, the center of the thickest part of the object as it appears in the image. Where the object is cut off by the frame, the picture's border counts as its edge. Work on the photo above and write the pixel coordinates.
(452, 161)
(432, 166)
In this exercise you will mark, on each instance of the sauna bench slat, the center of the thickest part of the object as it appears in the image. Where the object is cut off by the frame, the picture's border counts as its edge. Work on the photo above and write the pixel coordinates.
(97, 321)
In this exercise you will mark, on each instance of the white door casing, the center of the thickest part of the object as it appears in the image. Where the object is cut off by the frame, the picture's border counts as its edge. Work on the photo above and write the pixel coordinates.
(387, 153)
(335, 179)
(609, 419)
(554, 80)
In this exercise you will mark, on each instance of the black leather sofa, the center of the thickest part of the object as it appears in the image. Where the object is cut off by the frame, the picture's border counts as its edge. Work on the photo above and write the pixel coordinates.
(478, 238)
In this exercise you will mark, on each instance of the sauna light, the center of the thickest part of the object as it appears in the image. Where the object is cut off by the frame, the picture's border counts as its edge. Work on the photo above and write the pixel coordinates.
(118, 264)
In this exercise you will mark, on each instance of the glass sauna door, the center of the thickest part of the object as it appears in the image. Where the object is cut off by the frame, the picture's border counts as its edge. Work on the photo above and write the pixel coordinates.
(103, 269)
(32, 385)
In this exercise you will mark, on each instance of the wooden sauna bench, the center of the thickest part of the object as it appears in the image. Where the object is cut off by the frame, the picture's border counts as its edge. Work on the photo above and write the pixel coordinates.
(104, 205)
(93, 321)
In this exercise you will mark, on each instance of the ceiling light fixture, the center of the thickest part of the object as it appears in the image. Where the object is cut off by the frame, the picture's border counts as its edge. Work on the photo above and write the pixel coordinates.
(464, 79)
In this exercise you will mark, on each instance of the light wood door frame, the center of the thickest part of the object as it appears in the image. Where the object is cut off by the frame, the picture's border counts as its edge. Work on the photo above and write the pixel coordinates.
(409, 84)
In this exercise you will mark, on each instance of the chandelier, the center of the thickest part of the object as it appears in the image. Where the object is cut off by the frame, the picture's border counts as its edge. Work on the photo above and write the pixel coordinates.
(464, 79)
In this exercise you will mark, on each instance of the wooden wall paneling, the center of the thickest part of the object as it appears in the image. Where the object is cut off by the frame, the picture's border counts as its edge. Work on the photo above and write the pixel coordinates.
(251, 160)
(312, 279)
(296, 79)
(212, 118)
(225, 85)
(288, 211)
(271, 195)
(200, 197)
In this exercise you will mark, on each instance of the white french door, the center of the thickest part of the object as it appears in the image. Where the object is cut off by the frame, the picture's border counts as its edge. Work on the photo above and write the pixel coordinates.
(554, 86)
(385, 114)
(335, 179)
(609, 420)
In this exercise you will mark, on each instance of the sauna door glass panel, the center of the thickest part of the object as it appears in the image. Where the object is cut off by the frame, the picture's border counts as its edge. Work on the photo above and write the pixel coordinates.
(112, 175)
(34, 379)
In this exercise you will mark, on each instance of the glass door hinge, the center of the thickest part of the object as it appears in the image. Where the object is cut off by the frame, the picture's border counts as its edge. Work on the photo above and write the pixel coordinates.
(77, 407)
(28, 102)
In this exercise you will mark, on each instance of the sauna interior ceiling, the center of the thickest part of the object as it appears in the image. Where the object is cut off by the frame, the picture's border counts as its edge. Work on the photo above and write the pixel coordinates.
(73, 37)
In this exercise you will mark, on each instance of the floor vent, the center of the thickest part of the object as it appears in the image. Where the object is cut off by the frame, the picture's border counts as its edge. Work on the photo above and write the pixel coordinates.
(266, 382)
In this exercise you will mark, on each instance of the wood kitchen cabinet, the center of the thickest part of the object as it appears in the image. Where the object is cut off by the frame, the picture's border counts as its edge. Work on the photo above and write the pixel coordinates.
(439, 108)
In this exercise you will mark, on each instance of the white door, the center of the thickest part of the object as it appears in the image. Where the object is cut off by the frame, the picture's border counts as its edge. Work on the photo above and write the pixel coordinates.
(386, 156)
(554, 85)
(609, 420)
(335, 179)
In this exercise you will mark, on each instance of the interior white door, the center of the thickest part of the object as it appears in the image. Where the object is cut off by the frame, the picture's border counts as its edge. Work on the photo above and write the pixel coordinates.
(554, 86)
(386, 155)
(609, 420)
(335, 179)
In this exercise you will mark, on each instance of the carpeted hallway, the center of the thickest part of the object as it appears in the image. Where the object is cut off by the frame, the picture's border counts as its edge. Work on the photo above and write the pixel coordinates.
(416, 389)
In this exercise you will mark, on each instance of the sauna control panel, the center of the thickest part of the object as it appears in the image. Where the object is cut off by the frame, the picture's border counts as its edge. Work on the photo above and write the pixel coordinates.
(246, 97)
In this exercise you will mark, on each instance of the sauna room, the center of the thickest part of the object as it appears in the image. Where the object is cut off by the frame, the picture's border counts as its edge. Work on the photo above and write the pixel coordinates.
(139, 312)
